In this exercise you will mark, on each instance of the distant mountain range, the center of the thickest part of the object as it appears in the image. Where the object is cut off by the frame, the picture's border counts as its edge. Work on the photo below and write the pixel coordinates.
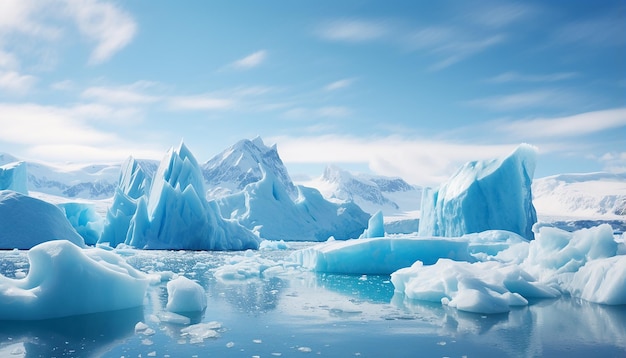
(559, 197)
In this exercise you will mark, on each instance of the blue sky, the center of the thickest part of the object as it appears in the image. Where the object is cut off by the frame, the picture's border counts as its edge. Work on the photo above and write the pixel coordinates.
(403, 88)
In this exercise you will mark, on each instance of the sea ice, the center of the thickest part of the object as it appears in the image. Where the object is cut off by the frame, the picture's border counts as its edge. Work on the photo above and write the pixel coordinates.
(65, 280)
(483, 195)
(26, 222)
(13, 177)
(185, 295)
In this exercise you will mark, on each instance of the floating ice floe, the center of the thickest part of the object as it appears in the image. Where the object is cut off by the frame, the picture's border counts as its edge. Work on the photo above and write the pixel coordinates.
(65, 280)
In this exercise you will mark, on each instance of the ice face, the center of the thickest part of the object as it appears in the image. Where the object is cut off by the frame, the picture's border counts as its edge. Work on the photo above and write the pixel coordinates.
(266, 207)
(375, 226)
(185, 295)
(483, 195)
(85, 220)
(13, 177)
(26, 222)
(173, 214)
(65, 280)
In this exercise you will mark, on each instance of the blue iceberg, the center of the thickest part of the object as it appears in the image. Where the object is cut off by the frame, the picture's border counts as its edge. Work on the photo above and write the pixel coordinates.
(85, 220)
(483, 195)
(173, 213)
(13, 177)
(26, 222)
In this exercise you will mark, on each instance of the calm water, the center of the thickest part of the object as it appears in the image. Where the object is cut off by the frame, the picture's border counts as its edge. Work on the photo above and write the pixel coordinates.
(301, 314)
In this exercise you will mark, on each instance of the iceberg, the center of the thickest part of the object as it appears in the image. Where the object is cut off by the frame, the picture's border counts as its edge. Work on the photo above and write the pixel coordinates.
(483, 195)
(26, 222)
(375, 226)
(173, 213)
(65, 280)
(13, 177)
(85, 220)
(251, 185)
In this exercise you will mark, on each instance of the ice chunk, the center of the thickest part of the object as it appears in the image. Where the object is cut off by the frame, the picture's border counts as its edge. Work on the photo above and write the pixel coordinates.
(249, 266)
(13, 176)
(601, 281)
(65, 280)
(26, 222)
(375, 226)
(270, 245)
(197, 333)
(480, 287)
(185, 295)
(483, 195)
(85, 220)
(175, 214)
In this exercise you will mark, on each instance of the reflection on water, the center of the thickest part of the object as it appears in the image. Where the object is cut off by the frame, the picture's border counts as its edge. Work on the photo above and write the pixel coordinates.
(71, 336)
(324, 314)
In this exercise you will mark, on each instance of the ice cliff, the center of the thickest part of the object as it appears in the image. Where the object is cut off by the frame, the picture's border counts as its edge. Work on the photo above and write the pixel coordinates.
(13, 177)
(173, 212)
(483, 195)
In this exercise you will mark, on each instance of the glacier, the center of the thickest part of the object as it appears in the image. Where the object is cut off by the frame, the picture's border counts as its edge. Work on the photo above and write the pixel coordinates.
(26, 221)
(270, 204)
(483, 195)
(85, 220)
(173, 213)
(65, 280)
(13, 176)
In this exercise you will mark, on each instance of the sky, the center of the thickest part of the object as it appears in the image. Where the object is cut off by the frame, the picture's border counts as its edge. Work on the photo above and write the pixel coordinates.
(403, 88)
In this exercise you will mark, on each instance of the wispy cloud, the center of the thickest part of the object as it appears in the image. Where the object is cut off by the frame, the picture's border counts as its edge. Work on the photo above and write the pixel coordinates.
(343, 83)
(200, 102)
(106, 24)
(67, 133)
(250, 61)
(127, 94)
(548, 98)
(561, 127)
(613, 162)
(321, 112)
(500, 14)
(608, 30)
(45, 23)
(353, 30)
(457, 51)
(519, 77)
(16, 83)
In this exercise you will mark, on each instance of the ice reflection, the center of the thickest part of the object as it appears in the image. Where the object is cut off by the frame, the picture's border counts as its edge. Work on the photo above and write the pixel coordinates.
(71, 336)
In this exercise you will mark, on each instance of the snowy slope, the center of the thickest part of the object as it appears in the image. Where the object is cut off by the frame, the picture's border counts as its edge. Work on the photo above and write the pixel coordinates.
(95, 181)
(599, 196)
(239, 165)
(392, 196)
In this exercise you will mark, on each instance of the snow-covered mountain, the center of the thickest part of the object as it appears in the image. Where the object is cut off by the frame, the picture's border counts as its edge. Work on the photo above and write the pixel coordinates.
(372, 193)
(581, 196)
(95, 181)
(239, 165)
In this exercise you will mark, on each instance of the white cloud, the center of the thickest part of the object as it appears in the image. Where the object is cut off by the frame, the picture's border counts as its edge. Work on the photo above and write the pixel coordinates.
(110, 27)
(608, 30)
(570, 126)
(91, 154)
(250, 61)
(13, 82)
(457, 51)
(614, 162)
(501, 14)
(551, 98)
(129, 94)
(200, 102)
(353, 30)
(343, 83)
(321, 112)
(422, 162)
(334, 111)
(518, 77)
